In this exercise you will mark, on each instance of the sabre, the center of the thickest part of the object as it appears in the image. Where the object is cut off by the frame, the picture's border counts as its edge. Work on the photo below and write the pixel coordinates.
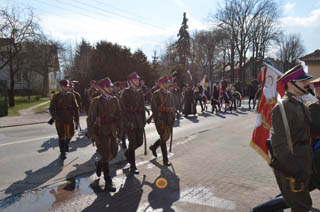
(171, 139)
(145, 142)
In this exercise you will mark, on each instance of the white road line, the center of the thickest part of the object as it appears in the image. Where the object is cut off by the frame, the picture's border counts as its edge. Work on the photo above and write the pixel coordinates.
(25, 141)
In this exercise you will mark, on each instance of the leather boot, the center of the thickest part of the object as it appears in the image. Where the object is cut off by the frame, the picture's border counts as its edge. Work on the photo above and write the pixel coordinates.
(277, 205)
(62, 149)
(133, 168)
(67, 145)
(154, 147)
(108, 181)
(165, 154)
(109, 185)
(98, 167)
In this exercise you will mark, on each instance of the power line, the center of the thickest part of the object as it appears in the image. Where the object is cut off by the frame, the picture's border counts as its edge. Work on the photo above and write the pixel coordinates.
(120, 10)
(56, 6)
(119, 15)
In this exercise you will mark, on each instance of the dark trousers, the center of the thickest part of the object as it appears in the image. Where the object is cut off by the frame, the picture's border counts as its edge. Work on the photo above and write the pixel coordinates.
(199, 100)
(164, 150)
(251, 98)
(104, 166)
(234, 104)
(135, 138)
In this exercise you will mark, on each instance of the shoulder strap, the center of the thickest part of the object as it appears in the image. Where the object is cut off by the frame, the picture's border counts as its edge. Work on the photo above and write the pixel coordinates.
(285, 123)
(163, 100)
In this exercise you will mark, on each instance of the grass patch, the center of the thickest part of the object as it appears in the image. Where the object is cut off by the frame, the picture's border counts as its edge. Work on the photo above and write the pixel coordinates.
(22, 102)
(42, 108)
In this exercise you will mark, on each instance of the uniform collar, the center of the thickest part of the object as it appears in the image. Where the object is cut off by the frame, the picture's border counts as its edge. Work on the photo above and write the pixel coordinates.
(294, 97)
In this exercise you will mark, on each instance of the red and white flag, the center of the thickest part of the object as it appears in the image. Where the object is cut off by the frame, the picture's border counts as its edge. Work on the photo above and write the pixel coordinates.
(269, 77)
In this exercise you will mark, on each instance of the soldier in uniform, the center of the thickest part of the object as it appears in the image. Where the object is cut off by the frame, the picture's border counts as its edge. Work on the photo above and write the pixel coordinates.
(104, 126)
(91, 93)
(64, 111)
(162, 105)
(292, 163)
(278, 204)
(133, 107)
(76, 94)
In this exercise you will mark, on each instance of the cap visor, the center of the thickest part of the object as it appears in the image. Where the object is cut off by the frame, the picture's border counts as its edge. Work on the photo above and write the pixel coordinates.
(304, 77)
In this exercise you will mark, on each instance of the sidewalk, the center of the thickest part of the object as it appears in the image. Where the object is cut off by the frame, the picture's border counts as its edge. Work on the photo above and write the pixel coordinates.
(29, 111)
(14, 121)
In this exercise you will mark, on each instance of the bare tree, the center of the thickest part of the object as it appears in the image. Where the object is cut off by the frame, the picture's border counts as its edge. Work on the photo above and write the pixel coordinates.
(17, 27)
(43, 58)
(239, 17)
(291, 48)
(207, 48)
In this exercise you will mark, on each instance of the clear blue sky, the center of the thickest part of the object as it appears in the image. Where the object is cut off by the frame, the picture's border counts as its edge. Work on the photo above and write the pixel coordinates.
(149, 24)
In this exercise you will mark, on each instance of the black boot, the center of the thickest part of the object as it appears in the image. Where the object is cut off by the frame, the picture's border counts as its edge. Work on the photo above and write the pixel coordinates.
(133, 168)
(276, 205)
(109, 185)
(108, 181)
(62, 149)
(67, 145)
(165, 154)
(98, 167)
(154, 147)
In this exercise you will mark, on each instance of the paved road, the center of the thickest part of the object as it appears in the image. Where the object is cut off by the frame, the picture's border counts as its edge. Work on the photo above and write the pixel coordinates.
(214, 169)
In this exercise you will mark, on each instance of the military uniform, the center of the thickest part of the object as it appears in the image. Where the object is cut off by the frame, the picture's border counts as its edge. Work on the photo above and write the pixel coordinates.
(314, 109)
(133, 107)
(104, 126)
(279, 204)
(65, 111)
(76, 94)
(92, 92)
(298, 165)
(162, 105)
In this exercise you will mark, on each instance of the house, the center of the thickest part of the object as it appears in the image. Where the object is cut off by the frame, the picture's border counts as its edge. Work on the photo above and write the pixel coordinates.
(27, 79)
(313, 62)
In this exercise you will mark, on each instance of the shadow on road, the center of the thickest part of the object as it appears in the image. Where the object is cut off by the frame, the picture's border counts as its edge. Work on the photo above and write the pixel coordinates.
(164, 197)
(32, 181)
(126, 199)
(205, 114)
(80, 142)
(194, 118)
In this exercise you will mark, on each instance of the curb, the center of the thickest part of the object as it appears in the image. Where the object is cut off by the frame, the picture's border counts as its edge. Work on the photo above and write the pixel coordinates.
(19, 125)
(25, 124)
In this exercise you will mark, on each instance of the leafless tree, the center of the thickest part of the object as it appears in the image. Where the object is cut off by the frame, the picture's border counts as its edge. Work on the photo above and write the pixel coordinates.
(43, 58)
(16, 26)
(291, 48)
(206, 49)
(239, 18)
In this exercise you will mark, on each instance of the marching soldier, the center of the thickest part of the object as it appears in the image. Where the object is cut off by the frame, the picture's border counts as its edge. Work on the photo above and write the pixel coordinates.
(133, 107)
(91, 93)
(162, 105)
(64, 111)
(76, 94)
(104, 126)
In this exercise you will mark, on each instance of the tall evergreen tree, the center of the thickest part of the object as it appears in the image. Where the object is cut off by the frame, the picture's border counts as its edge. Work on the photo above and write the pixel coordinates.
(183, 43)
